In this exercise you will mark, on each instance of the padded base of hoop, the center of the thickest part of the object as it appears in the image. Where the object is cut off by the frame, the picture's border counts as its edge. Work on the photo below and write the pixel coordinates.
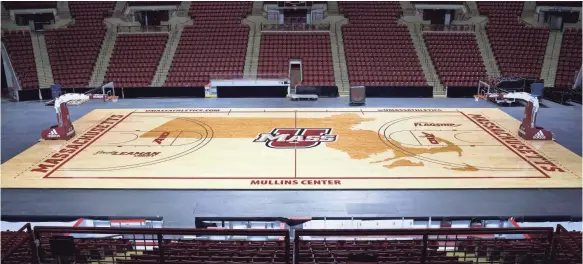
(537, 133)
(58, 133)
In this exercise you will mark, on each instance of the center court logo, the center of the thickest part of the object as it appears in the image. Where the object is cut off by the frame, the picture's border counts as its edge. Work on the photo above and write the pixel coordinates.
(296, 137)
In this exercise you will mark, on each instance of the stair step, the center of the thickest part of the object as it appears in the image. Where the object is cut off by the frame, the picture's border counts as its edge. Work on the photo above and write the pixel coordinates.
(167, 57)
(105, 53)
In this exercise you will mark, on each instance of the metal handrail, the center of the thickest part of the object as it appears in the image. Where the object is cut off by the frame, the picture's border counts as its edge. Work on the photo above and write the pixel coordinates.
(160, 233)
(296, 27)
(29, 238)
(143, 29)
(173, 32)
(424, 233)
(253, 41)
(338, 27)
(448, 28)
(107, 42)
(425, 53)
(553, 55)
(262, 76)
(7, 55)
(165, 57)
(489, 54)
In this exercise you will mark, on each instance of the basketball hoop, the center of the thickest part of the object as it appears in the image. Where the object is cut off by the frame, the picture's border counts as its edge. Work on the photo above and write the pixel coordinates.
(112, 98)
(478, 97)
(64, 129)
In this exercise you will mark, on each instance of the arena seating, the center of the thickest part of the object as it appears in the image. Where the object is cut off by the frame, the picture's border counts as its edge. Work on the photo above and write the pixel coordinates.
(135, 59)
(15, 246)
(436, 246)
(379, 52)
(90, 250)
(73, 50)
(518, 48)
(507, 250)
(312, 48)
(456, 57)
(569, 58)
(215, 44)
(386, 251)
(569, 246)
(19, 47)
(215, 252)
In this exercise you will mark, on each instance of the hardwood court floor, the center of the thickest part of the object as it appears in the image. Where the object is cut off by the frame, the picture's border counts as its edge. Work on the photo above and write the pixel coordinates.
(334, 148)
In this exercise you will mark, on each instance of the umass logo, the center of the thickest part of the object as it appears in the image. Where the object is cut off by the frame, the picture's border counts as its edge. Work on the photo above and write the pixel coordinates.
(285, 138)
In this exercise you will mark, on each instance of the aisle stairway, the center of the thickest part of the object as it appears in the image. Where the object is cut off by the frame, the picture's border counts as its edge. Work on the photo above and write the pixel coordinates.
(167, 57)
(551, 61)
(42, 61)
(102, 62)
(338, 56)
(425, 59)
(486, 51)
(253, 45)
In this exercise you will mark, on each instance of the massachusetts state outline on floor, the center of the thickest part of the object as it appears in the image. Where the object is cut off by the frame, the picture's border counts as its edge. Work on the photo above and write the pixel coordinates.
(353, 148)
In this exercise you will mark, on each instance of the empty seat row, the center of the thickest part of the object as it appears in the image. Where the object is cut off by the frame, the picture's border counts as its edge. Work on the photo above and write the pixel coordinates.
(19, 47)
(130, 69)
(313, 49)
(569, 59)
(448, 61)
(511, 39)
(374, 42)
(78, 43)
(216, 34)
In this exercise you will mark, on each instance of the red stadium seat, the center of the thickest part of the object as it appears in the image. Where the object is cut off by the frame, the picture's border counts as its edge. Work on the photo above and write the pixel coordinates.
(215, 44)
(458, 64)
(313, 49)
(569, 58)
(19, 47)
(376, 47)
(135, 59)
(73, 50)
(518, 49)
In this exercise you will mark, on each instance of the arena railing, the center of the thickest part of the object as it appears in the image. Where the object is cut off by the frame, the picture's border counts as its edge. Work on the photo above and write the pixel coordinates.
(240, 76)
(143, 29)
(295, 27)
(18, 241)
(122, 245)
(476, 245)
(448, 28)
(565, 247)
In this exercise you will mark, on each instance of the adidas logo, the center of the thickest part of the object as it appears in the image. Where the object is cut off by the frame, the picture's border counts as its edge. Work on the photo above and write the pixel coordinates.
(539, 135)
(53, 134)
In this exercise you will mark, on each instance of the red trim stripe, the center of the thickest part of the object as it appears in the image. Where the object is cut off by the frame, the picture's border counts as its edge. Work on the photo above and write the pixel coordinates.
(515, 224)
(77, 224)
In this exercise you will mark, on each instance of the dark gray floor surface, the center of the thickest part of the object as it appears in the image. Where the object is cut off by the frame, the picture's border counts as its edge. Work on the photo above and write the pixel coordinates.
(22, 123)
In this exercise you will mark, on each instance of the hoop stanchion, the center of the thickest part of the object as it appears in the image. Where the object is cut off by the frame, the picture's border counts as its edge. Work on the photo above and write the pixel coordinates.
(64, 128)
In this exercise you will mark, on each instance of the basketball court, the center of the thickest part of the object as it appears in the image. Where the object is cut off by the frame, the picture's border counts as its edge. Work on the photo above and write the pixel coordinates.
(317, 148)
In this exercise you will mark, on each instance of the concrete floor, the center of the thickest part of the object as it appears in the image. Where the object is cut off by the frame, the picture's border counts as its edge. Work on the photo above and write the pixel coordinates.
(22, 122)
